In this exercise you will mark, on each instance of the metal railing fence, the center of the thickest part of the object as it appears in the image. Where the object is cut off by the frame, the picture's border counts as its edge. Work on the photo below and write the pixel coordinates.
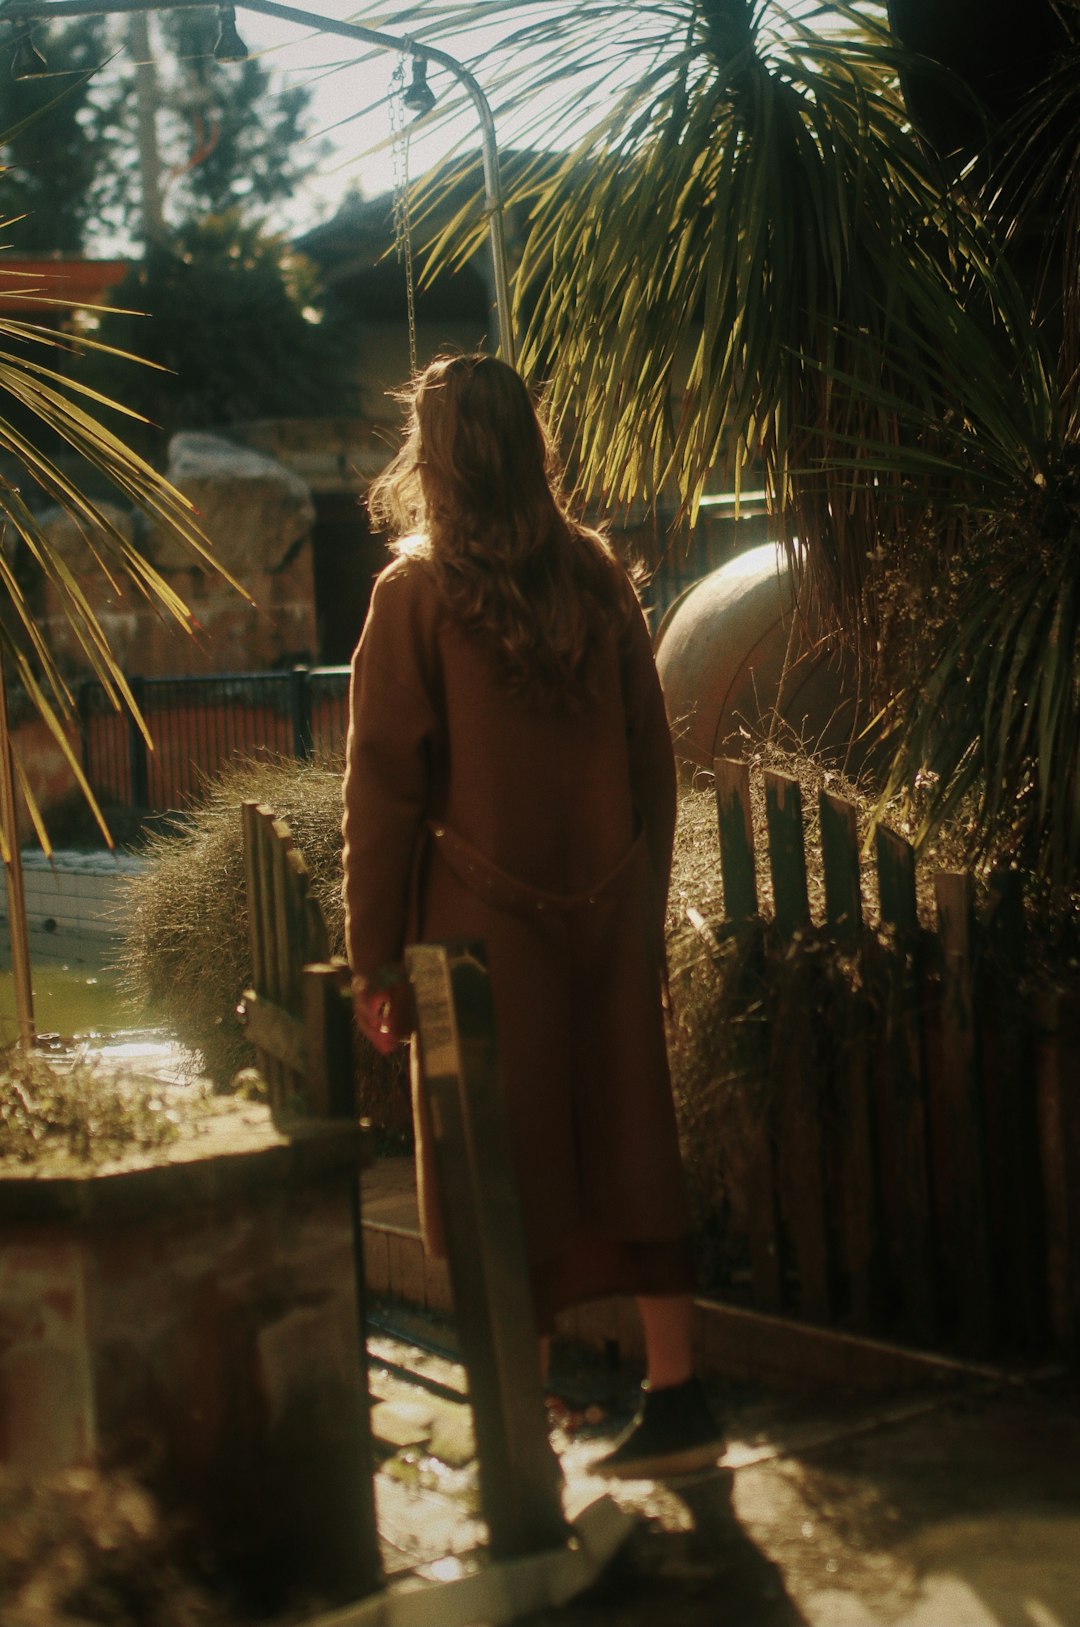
(200, 724)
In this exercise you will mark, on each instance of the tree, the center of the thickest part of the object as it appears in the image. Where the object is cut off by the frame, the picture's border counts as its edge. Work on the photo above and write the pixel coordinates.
(58, 156)
(245, 146)
(230, 143)
(229, 321)
(752, 259)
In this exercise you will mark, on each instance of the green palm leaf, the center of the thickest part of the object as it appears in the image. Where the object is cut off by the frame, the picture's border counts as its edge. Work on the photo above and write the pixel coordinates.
(745, 261)
(68, 410)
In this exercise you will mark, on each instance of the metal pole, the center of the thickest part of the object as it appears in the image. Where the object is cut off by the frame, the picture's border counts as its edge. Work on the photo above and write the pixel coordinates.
(38, 10)
(20, 950)
(146, 116)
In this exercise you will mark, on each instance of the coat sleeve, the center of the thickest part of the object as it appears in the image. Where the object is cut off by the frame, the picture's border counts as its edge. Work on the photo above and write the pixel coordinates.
(651, 758)
(385, 791)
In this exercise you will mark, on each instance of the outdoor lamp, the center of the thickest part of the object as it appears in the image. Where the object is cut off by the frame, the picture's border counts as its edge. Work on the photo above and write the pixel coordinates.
(28, 62)
(230, 47)
(418, 96)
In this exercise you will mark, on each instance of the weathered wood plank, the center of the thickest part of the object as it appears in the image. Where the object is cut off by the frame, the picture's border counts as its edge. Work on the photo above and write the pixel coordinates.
(974, 1286)
(249, 821)
(286, 929)
(797, 1117)
(286, 1098)
(286, 980)
(485, 1242)
(1007, 1060)
(902, 1108)
(840, 861)
(327, 1023)
(896, 881)
(274, 1071)
(787, 853)
(804, 1202)
(763, 1229)
(275, 1032)
(855, 1130)
(265, 894)
(736, 831)
(316, 933)
(1051, 1088)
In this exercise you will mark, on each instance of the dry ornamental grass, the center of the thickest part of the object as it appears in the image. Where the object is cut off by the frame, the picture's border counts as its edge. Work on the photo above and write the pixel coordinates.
(185, 951)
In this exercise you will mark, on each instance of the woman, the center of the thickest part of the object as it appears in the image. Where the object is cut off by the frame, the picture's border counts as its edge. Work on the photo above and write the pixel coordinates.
(510, 779)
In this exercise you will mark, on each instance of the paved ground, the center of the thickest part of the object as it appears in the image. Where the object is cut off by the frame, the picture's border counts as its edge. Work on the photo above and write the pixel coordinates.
(958, 1507)
(963, 1515)
(951, 1507)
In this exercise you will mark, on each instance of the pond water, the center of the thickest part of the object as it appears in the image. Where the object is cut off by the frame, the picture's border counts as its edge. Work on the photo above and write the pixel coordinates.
(71, 1000)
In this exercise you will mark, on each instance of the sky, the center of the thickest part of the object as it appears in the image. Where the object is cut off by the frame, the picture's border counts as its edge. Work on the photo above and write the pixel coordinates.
(350, 84)
(350, 108)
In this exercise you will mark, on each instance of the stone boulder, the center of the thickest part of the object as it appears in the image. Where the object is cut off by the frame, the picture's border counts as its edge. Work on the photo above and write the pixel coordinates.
(254, 510)
(73, 542)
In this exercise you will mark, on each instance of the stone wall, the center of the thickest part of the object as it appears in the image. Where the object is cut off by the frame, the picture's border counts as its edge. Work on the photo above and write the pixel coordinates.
(258, 516)
(195, 1321)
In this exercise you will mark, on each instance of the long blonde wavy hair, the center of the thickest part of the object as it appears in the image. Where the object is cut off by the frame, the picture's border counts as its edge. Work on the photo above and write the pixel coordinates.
(477, 478)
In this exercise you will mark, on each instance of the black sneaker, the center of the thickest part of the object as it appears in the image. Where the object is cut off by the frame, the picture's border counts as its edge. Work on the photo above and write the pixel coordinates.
(675, 1432)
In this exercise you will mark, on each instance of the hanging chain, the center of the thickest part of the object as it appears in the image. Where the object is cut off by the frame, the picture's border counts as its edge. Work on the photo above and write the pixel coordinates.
(402, 223)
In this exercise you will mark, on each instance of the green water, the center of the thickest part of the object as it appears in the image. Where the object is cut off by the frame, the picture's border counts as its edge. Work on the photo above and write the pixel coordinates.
(70, 1000)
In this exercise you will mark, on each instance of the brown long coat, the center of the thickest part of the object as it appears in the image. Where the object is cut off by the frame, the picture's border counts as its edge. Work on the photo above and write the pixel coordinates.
(470, 813)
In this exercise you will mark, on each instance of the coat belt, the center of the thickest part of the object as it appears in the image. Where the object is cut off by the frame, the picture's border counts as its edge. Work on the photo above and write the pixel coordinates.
(506, 892)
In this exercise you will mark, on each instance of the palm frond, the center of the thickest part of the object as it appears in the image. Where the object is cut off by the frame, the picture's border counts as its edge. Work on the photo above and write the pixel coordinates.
(62, 409)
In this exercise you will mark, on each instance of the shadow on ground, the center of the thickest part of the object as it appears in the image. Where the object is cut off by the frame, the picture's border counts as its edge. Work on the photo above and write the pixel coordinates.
(689, 1563)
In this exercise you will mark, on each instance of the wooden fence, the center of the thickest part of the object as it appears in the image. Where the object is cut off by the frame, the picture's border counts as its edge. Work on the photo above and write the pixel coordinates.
(912, 1167)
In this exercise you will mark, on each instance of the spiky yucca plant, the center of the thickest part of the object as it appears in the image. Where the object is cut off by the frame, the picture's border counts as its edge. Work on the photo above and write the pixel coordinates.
(748, 196)
(748, 261)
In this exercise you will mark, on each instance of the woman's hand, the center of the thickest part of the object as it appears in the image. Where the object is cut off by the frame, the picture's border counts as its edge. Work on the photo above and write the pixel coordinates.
(383, 1010)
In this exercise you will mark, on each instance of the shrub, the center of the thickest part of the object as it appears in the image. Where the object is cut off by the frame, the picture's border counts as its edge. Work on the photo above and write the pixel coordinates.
(82, 1546)
(185, 946)
(78, 1111)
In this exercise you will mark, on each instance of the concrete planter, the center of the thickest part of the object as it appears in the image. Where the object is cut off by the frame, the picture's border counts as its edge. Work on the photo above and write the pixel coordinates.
(194, 1318)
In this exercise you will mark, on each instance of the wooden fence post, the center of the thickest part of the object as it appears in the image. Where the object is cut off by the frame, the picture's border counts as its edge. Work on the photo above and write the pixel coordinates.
(737, 868)
(326, 1008)
(963, 1109)
(855, 1126)
(1013, 1172)
(787, 854)
(298, 1015)
(840, 861)
(1061, 1202)
(486, 1252)
(736, 831)
(260, 926)
(902, 1094)
(798, 1108)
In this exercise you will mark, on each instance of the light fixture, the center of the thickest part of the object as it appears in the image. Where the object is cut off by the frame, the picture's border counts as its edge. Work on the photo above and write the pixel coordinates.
(230, 47)
(418, 96)
(28, 62)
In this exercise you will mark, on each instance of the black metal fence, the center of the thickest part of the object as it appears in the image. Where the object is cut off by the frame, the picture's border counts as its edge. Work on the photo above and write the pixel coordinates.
(200, 724)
